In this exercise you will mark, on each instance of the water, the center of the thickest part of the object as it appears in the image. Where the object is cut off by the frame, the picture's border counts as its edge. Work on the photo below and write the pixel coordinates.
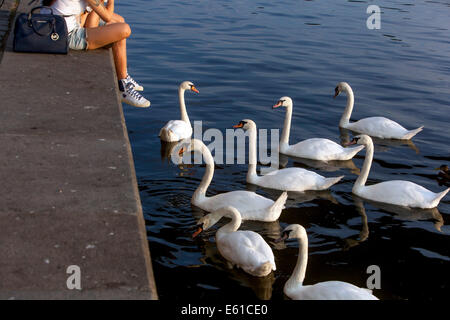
(243, 56)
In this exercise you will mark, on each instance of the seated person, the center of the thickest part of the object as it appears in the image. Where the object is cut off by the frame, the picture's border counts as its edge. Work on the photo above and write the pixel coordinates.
(88, 32)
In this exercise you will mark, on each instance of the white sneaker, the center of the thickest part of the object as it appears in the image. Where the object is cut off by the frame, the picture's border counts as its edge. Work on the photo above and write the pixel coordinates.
(130, 96)
(136, 85)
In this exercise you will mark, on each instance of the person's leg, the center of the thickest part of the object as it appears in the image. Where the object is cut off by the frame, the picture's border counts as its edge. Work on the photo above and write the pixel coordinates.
(116, 34)
(119, 50)
(92, 20)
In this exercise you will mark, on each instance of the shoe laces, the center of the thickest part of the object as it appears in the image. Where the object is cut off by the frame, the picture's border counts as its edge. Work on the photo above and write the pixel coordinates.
(133, 93)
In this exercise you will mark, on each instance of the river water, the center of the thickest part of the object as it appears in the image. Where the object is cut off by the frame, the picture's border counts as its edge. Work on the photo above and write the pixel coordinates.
(243, 56)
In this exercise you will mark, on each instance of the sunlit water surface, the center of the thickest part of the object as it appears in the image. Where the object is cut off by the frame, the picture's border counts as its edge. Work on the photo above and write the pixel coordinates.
(243, 56)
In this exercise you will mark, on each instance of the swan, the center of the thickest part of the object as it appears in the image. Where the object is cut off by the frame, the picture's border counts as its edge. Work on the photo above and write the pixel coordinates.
(288, 179)
(397, 192)
(245, 249)
(250, 205)
(315, 148)
(379, 127)
(328, 290)
(176, 130)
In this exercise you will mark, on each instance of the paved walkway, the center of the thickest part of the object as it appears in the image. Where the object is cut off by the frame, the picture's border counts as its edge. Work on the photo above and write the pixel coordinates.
(68, 191)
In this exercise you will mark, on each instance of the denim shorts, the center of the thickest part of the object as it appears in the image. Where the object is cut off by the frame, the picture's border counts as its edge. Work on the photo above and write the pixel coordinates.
(77, 37)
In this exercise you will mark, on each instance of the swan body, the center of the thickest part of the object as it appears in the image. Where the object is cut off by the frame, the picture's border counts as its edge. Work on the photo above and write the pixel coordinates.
(245, 249)
(315, 148)
(328, 290)
(396, 192)
(176, 130)
(250, 205)
(288, 179)
(379, 127)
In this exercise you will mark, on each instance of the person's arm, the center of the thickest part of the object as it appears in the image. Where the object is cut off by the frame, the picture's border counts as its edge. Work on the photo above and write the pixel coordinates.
(105, 13)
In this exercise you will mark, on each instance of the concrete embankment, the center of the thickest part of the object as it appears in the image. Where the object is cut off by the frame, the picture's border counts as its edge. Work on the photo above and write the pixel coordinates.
(68, 190)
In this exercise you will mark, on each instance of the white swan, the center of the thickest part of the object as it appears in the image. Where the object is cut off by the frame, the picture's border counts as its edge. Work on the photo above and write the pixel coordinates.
(176, 130)
(245, 249)
(397, 192)
(379, 127)
(288, 179)
(251, 205)
(328, 290)
(315, 148)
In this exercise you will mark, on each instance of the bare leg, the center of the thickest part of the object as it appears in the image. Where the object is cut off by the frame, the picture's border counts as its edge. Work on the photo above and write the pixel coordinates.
(119, 50)
(93, 19)
(116, 35)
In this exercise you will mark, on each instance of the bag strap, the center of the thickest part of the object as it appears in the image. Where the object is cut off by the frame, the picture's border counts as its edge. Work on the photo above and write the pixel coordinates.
(51, 21)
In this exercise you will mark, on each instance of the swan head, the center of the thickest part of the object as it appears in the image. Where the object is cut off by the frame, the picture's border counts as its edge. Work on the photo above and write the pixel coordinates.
(341, 86)
(246, 124)
(188, 85)
(283, 102)
(361, 139)
(190, 145)
(293, 231)
(206, 222)
(443, 168)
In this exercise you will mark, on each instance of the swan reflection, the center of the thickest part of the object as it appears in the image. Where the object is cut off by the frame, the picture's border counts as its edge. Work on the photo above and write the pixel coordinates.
(382, 145)
(405, 213)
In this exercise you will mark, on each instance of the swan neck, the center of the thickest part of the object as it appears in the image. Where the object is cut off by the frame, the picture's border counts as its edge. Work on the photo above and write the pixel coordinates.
(345, 119)
(362, 179)
(252, 159)
(287, 125)
(207, 176)
(184, 115)
(298, 275)
(231, 226)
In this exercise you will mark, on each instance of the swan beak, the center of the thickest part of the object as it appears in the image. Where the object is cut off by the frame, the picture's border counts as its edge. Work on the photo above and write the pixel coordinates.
(346, 144)
(194, 89)
(284, 236)
(196, 233)
(278, 104)
(240, 125)
(181, 152)
(336, 93)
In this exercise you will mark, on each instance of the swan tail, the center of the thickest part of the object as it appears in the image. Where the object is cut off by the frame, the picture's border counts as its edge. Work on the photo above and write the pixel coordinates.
(168, 135)
(438, 198)
(412, 133)
(264, 269)
(349, 153)
(330, 181)
(279, 204)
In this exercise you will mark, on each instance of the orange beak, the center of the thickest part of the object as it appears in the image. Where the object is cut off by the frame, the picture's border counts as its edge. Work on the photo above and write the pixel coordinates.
(194, 89)
(181, 152)
(240, 125)
(278, 104)
(196, 233)
(349, 143)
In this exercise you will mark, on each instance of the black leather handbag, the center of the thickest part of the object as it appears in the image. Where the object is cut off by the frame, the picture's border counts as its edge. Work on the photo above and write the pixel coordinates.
(39, 32)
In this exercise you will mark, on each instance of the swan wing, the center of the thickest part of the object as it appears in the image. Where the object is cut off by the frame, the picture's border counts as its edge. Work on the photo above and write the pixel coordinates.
(175, 130)
(292, 179)
(316, 148)
(332, 290)
(252, 206)
(399, 192)
(380, 127)
(247, 249)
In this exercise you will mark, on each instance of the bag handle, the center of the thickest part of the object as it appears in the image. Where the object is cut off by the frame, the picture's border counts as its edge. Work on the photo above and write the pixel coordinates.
(40, 7)
(52, 21)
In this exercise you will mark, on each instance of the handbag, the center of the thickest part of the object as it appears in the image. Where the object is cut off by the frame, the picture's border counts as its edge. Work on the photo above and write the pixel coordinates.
(39, 32)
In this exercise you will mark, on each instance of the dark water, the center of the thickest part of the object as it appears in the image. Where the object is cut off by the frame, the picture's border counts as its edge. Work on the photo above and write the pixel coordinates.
(243, 56)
